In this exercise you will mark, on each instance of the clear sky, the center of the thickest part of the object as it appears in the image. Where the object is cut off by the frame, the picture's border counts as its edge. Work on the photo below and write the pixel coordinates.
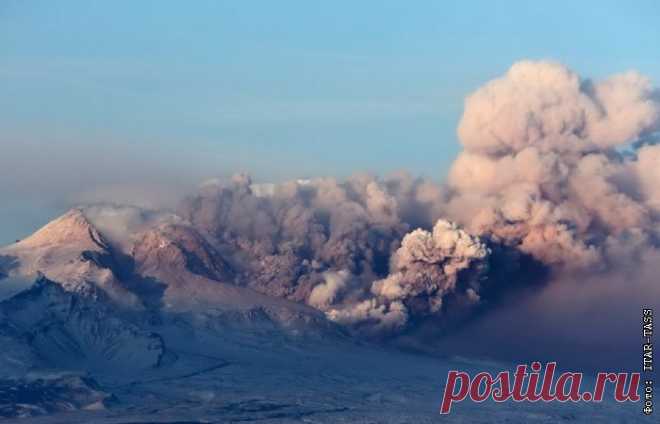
(108, 93)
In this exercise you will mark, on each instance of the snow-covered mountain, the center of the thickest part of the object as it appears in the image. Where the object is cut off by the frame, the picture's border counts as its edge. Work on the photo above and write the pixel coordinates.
(169, 267)
(72, 252)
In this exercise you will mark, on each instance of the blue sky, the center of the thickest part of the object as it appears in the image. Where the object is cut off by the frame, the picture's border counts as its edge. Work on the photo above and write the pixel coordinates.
(105, 93)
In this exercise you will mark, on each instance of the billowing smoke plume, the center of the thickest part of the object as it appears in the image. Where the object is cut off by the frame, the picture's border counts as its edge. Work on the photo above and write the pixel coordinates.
(543, 168)
(560, 168)
(326, 243)
(328, 292)
(548, 172)
(424, 270)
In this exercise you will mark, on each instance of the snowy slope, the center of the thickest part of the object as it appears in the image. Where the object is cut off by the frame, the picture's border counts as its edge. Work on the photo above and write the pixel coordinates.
(257, 379)
(77, 332)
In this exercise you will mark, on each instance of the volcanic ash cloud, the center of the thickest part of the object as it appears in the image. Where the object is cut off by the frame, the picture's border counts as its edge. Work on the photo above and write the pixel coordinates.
(424, 270)
(543, 167)
(557, 171)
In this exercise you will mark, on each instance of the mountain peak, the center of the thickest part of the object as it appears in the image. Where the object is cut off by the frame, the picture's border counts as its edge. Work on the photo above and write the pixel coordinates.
(71, 228)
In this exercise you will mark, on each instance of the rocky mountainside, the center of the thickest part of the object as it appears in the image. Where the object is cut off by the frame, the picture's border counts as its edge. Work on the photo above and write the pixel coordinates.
(73, 301)
(165, 267)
